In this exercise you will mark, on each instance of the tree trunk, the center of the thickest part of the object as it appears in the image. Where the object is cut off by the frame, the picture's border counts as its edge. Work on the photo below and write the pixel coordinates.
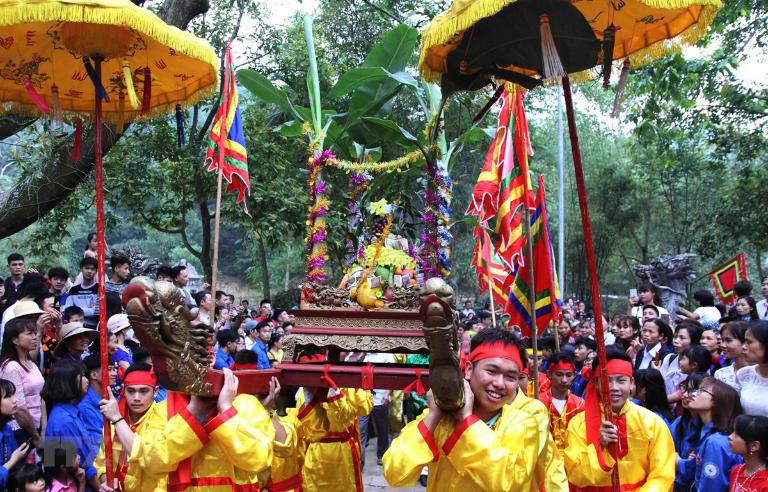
(56, 178)
(287, 281)
(264, 268)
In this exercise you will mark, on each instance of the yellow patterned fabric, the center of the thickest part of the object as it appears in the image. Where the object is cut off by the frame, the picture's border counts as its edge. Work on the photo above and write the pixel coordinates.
(647, 29)
(232, 450)
(136, 478)
(36, 44)
(467, 456)
(648, 466)
(550, 471)
(330, 434)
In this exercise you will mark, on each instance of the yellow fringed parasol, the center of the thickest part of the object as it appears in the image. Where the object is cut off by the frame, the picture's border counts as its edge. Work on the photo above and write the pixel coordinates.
(42, 44)
(644, 29)
(52, 57)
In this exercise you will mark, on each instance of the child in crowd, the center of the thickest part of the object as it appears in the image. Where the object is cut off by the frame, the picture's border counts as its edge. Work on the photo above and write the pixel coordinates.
(28, 478)
(687, 333)
(750, 441)
(710, 341)
(650, 393)
(717, 405)
(11, 452)
(65, 474)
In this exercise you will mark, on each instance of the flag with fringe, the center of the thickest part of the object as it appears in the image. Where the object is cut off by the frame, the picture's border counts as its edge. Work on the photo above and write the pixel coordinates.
(547, 291)
(226, 142)
(484, 203)
(488, 266)
(725, 276)
(515, 190)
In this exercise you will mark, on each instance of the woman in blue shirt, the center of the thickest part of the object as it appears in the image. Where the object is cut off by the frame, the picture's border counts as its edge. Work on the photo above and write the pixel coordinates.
(717, 405)
(10, 453)
(64, 387)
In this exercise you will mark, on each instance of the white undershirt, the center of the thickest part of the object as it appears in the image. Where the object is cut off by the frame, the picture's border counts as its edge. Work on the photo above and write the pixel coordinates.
(559, 404)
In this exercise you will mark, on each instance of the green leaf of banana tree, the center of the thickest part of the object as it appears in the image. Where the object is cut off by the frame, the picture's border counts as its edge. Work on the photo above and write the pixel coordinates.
(356, 77)
(389, 131)
(261, 87)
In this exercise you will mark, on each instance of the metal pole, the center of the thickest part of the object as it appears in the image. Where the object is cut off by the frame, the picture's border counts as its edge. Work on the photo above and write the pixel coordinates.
(560, 198)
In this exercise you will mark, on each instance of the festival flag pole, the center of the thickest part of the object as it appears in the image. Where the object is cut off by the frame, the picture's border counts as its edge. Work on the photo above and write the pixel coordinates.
(589, 248)
(222, 142)
(486, 249)
(532, 298)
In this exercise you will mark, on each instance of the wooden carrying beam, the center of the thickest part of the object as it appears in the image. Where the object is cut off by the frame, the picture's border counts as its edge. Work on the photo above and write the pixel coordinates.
(389, 376)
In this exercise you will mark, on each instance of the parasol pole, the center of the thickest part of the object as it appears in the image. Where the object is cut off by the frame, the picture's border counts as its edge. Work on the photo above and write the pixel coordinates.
(101, 272)
(589, 248)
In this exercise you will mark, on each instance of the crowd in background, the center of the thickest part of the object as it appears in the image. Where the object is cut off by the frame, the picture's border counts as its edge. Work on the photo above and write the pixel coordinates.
(703, 371)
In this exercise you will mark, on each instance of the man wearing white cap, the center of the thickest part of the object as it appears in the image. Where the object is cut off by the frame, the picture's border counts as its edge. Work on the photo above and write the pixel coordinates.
(74, 341)
(119, 325)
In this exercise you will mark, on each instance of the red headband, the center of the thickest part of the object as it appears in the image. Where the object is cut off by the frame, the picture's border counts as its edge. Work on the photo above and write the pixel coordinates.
(146, 378)
(615, 367)
(562, 365)
(497, 349)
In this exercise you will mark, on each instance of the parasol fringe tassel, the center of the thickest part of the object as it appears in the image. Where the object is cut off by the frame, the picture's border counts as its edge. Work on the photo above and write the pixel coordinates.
(551, 65)
(620, 88)
(147, 95)
(35, 97)
(100, 90)
(56, 113)
(448, 25)
(120, 114)
(179, 126)
(75, 155)
(128, 79)
(609, 40)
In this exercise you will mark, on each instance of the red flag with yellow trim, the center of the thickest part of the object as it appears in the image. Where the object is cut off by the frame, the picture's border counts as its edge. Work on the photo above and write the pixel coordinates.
(484, 203)
(515, 190)
(489, 268)
(725, 276)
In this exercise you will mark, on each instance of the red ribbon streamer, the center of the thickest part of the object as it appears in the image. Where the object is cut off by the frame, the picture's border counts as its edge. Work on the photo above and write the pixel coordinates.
(416, 384)
(326, 377)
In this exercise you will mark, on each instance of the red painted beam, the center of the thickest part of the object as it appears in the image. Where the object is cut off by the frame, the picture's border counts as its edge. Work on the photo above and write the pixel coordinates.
(387, 376)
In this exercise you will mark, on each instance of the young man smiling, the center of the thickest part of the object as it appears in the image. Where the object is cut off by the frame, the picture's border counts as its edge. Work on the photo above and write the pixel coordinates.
(484, 446)
(639, 439)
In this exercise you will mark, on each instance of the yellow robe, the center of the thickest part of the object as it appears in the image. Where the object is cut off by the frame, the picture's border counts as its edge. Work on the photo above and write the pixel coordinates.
(467, 456)
(329, 430)
(649, 465)
(550, 472)
(288, 459)
(232, 451)
(136, 478)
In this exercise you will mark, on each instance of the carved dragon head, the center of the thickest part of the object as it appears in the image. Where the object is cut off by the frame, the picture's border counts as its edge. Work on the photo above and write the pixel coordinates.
(164, 325)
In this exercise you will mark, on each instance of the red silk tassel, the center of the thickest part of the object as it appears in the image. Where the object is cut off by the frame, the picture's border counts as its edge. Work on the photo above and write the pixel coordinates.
(78, 139)
(147, 95)
(32, 93)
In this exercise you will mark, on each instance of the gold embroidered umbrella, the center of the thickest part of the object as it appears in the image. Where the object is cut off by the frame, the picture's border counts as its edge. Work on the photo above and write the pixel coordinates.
(496, 37)
(52, 57)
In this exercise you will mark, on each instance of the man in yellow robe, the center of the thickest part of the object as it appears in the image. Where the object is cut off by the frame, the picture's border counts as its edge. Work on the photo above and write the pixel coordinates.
(135, 412)
(328, 432)
(640, 439)
(487, 445)
(210, 445)
(549, 474)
